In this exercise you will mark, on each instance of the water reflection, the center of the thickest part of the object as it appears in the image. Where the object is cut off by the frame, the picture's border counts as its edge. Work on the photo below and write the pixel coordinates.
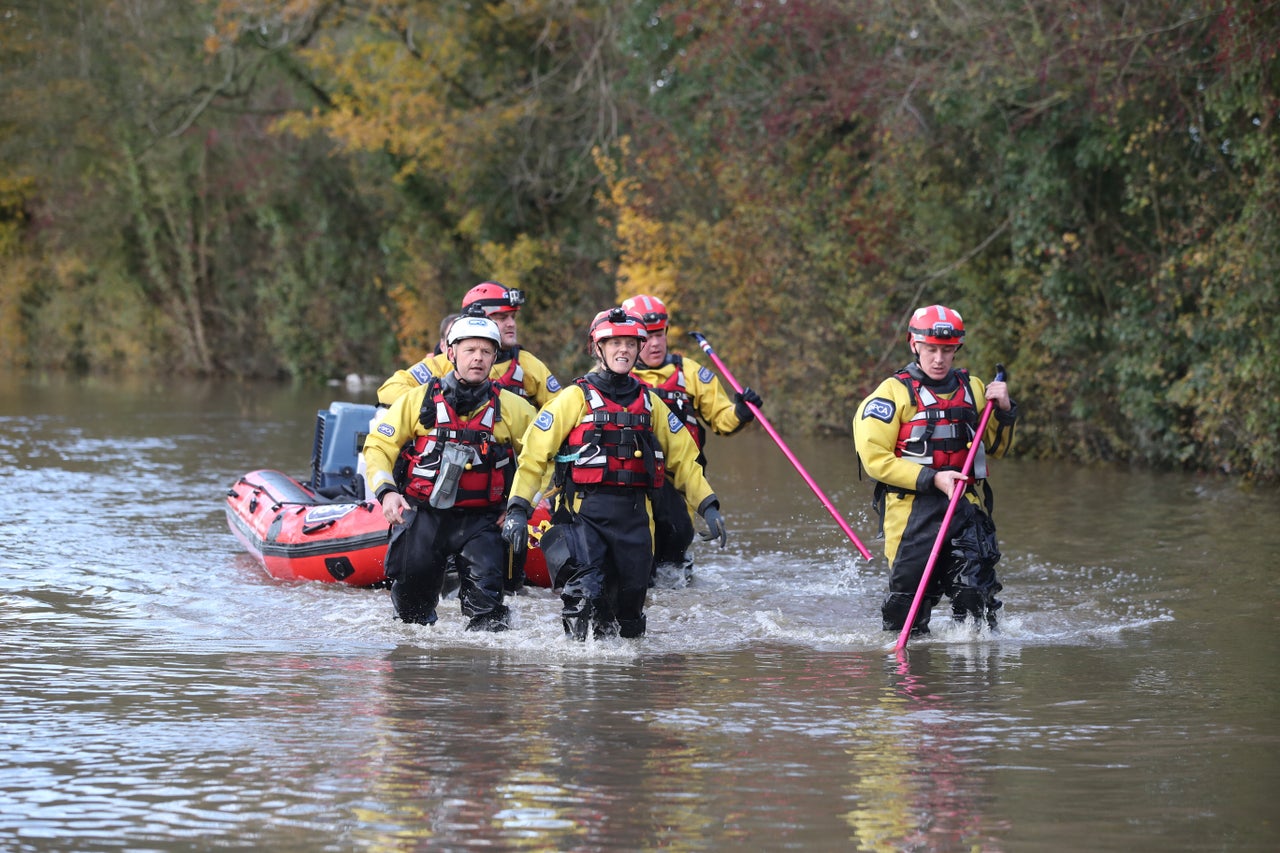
(522, 753)
(909, 783)
(163, 693)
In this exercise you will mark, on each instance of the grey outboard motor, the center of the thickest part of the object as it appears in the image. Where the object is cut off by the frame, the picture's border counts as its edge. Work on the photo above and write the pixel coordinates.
(340, 433)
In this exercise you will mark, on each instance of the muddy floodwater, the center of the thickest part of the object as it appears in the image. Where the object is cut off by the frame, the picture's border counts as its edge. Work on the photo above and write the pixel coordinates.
(161, 692)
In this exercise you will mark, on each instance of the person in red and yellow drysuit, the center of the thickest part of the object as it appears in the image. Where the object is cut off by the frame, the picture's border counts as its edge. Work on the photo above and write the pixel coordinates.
(441, 462)
(696, 396)
(912, 435)
(612, 441)
(515, 368)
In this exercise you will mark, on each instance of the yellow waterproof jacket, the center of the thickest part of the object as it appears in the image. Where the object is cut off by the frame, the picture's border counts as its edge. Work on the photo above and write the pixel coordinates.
(879, 420)
(400, 425)
(709, 399)
(876, 427)
(559, 417)
(540, 384)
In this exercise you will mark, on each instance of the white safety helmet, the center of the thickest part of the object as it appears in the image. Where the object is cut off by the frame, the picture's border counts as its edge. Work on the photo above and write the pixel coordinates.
(474, 327)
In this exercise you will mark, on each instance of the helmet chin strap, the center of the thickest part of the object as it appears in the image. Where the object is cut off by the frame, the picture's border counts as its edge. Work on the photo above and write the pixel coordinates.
(604, 364)
(607, 369)
(462, 380)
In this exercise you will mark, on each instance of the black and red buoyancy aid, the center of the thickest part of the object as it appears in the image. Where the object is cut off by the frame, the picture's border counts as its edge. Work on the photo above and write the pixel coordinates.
(486, 481)
(941, 431)
(675, 393)
(513, 378)
(614, 445)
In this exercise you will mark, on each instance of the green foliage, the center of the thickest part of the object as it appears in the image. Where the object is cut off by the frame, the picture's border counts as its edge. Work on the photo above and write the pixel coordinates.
(273, 187)
(159, 232)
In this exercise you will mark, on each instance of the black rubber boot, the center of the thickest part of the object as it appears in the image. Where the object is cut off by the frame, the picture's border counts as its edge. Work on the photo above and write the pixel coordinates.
(420, 618)
(668, 576)
(411, 608)
(993, 604)
(603, 625)
(965, 603)
(969, 602)
(495, 620)
(896, 607)
(631, 628)
(576, 617)
(576, 627)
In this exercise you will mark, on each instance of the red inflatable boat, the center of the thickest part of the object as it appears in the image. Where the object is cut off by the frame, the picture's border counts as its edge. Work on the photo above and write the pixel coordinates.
(321, 531)
(299, 535)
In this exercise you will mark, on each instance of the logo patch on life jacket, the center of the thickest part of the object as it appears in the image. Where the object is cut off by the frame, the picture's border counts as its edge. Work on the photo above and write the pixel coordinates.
(553, 384)
(387, 429)
(544, 421)
(705, 374)
(420, 372)
(674, 423)
(880, 409)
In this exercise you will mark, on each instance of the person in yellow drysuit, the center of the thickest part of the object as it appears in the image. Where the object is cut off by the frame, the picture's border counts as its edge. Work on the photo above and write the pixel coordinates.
(696, 396)
(613, 441)
(441, 462)
(514, 369)
(912, 435)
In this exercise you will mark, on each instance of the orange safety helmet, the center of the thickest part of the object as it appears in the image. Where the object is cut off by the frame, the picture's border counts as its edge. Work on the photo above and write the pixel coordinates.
(493, 298)
(650, 309)
(936, 324)
(616, 323)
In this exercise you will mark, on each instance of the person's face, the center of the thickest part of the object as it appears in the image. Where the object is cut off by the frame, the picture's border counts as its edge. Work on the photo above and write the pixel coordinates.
(619, 354)
(935, 359)
(506, 321)
(654, 348)
(473, 359)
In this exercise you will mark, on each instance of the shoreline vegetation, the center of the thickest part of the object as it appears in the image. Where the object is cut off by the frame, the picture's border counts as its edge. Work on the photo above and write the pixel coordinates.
(301, 190)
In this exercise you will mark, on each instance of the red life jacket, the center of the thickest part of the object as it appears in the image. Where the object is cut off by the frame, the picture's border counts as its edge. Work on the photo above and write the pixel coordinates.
(487, 480)
(941, 431)
(513, 378)
(674, 392)
(614, 445)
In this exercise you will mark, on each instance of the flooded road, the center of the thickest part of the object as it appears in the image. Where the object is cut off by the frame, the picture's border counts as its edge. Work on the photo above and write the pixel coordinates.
(163, 693)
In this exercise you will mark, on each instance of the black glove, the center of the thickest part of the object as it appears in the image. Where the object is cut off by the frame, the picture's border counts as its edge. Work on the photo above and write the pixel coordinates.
(516, 528)
(715, 526)
(740, 400)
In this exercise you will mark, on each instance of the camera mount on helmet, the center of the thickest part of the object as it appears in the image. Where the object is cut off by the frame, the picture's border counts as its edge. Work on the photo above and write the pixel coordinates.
(616, 323)
(492, 297)
(936, 324)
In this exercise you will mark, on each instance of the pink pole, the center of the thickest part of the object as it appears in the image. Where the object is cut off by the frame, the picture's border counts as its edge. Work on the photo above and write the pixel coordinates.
(956, 494)
(764, 422)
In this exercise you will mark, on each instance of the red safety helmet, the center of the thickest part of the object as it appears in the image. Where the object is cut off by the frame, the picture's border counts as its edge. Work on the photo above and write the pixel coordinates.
(616, 323)
(650, 309)
(493, 297)
(936, 324)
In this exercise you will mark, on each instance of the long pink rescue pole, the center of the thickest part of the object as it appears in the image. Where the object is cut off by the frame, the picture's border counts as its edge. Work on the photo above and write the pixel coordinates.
(956, 494)
(764, 422)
